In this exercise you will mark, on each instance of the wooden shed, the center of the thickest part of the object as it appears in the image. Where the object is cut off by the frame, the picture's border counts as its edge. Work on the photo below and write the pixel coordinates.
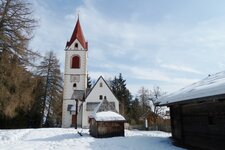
(106, 122)
(154, 121)
(198, 113)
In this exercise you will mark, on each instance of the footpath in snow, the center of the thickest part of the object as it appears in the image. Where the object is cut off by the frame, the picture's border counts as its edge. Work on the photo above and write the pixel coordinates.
(68, 139)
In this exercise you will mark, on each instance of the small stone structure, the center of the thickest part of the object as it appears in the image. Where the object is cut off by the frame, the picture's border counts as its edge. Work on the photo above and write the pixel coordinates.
(106, 122)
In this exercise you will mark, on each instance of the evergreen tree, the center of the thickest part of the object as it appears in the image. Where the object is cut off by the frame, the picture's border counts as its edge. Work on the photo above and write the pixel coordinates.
(118, 86)
(89, 85)
(35, 114)
(52, 100)
(135, 111)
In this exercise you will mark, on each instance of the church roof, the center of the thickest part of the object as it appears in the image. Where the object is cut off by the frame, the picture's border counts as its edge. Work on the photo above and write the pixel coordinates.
(105, 106)
(90, 90)
(78, 94)
(77, 34)
(106, 112)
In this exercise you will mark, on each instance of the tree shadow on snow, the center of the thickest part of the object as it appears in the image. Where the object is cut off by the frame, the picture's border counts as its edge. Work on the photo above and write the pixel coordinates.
(61, 137)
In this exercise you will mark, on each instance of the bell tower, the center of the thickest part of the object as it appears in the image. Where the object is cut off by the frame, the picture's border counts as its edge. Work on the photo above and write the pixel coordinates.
(75, 74)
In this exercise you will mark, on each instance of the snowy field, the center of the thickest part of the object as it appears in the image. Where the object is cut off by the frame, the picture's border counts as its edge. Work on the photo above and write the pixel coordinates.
(68, 139)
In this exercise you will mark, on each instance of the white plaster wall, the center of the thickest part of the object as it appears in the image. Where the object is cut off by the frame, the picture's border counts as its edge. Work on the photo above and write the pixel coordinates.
(68, 85)
(83, 63)
(79, 116)
(94, 97)
(67, 117)
(82, 71)
(72, 46)
(71, 51)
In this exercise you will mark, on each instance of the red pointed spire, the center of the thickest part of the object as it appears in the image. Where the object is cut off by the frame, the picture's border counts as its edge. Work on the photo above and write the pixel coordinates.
(78, 34)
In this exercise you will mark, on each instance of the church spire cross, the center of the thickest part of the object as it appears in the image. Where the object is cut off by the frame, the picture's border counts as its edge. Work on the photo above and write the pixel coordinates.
(78, 14)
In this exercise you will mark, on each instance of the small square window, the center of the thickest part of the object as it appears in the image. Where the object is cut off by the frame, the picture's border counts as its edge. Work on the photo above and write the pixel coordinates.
(100, 97)
(69, 107)
(76, 45)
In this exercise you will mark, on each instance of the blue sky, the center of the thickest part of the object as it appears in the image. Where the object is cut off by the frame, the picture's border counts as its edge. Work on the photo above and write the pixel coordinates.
(169, 44)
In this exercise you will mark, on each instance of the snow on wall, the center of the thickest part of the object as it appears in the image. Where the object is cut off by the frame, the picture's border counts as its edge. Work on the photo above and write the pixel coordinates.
(209, 86)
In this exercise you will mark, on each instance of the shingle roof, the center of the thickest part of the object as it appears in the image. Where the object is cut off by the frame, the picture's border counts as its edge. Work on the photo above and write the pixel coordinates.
(78, 34)
(105, 106)
(78, 94)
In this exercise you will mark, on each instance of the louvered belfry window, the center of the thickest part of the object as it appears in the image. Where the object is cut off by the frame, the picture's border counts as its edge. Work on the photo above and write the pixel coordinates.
(75, 62)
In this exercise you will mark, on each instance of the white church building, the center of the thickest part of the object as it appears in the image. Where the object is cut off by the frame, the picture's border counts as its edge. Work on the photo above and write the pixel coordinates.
(79, 101)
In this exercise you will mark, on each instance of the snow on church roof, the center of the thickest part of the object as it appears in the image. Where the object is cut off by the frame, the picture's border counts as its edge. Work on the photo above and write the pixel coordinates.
(209, 86)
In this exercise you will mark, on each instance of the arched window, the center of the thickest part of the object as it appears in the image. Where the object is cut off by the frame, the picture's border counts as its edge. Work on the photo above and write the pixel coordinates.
(74, 85)
(76, 45)
(75, 62)
(101, 84)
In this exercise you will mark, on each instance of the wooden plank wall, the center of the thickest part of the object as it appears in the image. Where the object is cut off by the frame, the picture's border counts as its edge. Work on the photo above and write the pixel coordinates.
(110, 129)
(106, 129)
(176, 120)
(200, 124)
(93, 128)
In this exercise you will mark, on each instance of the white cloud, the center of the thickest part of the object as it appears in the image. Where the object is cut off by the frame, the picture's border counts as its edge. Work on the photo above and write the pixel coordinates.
(52, 32)
(139, 73)
(96, 74)
(139, 50)
(180, 68)
(170, 86)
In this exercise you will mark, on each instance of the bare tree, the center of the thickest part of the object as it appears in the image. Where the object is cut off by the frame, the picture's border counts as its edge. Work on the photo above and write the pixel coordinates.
(16, 26)
(155, 94)
(143, 97)
(50, 70)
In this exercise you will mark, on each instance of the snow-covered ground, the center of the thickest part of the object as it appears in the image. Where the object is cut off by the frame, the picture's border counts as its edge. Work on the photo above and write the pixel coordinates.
(68, 139)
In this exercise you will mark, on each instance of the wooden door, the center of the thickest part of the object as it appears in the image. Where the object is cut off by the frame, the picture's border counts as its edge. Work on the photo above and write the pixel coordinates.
(74, 120)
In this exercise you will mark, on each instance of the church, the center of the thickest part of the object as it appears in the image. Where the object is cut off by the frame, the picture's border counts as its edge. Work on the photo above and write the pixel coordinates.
(79, 101)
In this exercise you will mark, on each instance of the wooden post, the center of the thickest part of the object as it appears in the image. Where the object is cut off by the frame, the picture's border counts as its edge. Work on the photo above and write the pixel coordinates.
(76, 112)
(181, 124)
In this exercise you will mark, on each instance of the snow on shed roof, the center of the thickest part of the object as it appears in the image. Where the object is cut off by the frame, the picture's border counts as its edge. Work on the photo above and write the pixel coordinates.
(108, 116)
(209, 86)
